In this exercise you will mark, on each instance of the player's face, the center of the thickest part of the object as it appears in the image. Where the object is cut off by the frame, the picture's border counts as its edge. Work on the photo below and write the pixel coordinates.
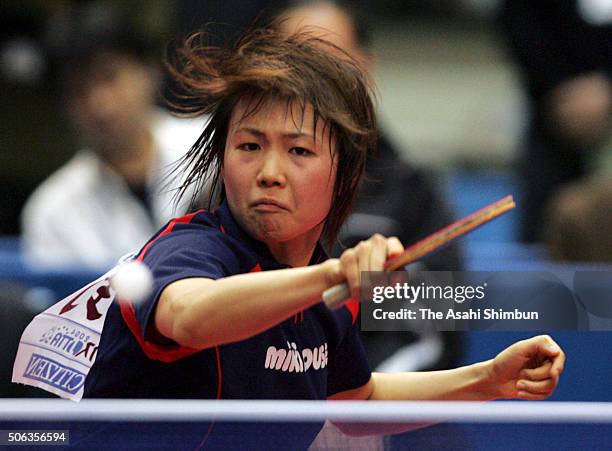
(279, 174)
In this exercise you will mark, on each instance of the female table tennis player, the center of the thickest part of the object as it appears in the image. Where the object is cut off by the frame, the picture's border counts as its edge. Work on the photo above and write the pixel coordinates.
(236, 309)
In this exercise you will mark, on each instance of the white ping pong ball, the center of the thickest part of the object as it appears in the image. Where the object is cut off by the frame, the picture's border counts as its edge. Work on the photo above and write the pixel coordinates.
(133, 281)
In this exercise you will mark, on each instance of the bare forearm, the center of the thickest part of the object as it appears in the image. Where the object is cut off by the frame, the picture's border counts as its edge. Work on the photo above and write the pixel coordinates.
(208, 313)
(468, 383)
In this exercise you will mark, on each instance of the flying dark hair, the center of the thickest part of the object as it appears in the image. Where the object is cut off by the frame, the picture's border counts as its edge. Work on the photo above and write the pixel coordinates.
(266, 65)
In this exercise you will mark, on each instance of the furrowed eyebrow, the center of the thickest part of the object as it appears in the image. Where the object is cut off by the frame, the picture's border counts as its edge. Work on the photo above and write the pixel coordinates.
(257, 132)
(252, 131)
(298, 135)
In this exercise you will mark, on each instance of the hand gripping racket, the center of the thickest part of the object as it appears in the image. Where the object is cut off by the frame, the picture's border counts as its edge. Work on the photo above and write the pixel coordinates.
(335, 296)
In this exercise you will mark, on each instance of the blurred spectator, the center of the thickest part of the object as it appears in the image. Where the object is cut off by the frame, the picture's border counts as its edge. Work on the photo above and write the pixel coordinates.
(395, 199)
(579, 221)
(564, 51)
(113, 194)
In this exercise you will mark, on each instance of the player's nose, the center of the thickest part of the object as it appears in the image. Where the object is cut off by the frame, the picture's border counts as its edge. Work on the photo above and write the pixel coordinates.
(271, 171)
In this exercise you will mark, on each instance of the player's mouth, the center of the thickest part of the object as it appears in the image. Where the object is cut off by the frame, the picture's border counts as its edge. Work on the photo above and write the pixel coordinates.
(268, 205)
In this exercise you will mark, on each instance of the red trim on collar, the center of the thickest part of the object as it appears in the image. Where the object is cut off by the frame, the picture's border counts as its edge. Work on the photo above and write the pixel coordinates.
(182, 220)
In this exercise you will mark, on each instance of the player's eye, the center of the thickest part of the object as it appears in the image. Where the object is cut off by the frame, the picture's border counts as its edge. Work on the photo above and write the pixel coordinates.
(301, 151)
(249, 147)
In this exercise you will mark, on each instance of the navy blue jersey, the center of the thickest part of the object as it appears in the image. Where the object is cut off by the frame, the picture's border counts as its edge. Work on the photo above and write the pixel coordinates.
(311, 355)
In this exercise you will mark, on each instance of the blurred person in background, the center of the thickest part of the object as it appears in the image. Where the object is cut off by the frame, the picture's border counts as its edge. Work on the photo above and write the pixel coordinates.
(396, 198)
(563, 49)
(578, 222)
(114, 193)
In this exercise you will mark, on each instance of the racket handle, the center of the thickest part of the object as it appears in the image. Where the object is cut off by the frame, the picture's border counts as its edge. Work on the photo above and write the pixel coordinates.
(335, 296)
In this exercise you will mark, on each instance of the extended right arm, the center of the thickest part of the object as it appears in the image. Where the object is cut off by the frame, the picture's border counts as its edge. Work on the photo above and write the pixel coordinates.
(196, 312)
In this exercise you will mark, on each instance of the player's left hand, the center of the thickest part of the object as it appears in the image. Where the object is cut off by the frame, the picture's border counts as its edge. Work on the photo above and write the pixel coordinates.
(528, 369)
